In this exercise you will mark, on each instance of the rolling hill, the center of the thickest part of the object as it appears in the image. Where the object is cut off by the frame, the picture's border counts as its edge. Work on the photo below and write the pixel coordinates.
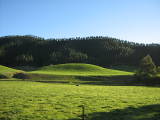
(8, 72)
(79, 69)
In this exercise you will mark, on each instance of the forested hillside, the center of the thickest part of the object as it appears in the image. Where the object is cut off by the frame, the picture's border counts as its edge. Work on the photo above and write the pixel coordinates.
(104, 51)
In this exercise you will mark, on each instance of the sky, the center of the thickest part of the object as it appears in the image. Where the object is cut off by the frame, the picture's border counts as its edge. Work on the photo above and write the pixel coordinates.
(131, 20)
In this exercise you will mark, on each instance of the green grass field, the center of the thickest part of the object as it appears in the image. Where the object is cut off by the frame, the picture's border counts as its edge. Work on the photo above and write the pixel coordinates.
(7, 71)
(107, 94)
(79, 69)
(44, 101)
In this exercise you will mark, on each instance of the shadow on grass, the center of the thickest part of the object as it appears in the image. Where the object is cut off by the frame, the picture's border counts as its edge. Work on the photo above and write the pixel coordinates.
(108, 80)
(124, 68)
(150, 112)
(5, 80)
(26, 68)
(120, 80)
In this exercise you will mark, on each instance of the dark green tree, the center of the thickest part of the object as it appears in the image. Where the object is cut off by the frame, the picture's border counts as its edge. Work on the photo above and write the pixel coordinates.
(103, 51)
(147, 68)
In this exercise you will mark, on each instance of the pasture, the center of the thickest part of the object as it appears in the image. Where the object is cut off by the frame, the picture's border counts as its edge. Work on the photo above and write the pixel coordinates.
(58, 92)
(79, 69)
(22, 100)
(7, 71)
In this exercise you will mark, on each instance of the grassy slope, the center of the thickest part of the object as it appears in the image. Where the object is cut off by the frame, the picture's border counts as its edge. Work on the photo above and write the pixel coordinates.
(8, 71)
(124, 68)
(44, 101)
(79, 69)
(76, 74)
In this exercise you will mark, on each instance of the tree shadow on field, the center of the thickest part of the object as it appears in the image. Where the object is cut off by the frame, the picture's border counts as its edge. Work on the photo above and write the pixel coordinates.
(149, 112)
(120, 80)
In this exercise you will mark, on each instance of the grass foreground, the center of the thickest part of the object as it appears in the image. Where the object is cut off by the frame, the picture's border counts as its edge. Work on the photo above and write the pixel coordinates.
(117, 98)
(22, 100)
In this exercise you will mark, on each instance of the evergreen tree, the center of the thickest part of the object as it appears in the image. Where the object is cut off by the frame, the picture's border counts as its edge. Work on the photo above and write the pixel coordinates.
(103, 51)
(147, 68)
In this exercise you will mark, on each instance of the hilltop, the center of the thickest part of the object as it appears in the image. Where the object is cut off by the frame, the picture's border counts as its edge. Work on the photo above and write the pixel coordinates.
(79, 69)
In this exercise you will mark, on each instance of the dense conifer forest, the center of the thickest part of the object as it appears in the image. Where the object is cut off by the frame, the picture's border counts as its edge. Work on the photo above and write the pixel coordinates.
(104, 51)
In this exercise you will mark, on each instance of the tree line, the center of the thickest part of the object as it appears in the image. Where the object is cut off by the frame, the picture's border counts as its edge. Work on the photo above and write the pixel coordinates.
(104, 51)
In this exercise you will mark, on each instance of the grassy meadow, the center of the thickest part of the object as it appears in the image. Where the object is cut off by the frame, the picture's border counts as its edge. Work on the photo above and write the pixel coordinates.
(79, 69)
(7, 71)
(45, 101)
(106, 94)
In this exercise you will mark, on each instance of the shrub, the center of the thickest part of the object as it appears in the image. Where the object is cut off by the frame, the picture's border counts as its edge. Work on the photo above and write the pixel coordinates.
(21, 76)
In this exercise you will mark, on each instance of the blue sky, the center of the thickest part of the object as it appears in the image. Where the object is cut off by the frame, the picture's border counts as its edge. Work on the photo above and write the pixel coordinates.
(132, 20)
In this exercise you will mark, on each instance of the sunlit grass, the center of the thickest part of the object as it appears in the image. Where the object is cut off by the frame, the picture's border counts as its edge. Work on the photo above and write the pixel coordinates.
(44, 101)
(8, 71)
(80, 70)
